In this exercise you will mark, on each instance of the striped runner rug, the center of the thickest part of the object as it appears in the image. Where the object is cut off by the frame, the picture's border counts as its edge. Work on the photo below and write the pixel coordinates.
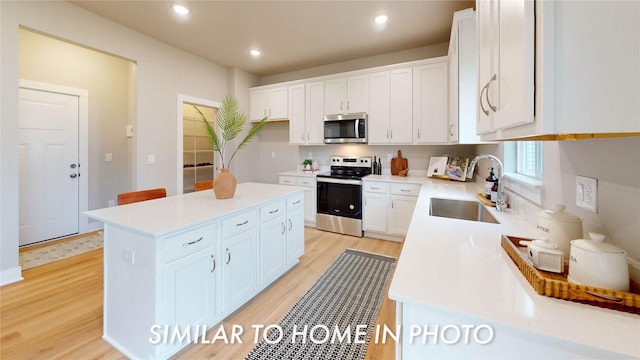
(336, 317)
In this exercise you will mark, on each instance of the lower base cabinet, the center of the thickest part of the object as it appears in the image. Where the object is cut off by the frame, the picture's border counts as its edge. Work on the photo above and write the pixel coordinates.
(295, 235)
(388, 208)
(239, 272)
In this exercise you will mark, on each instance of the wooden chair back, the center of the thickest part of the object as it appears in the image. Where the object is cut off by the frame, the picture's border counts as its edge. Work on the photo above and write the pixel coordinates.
(203, 185)
(142, 195)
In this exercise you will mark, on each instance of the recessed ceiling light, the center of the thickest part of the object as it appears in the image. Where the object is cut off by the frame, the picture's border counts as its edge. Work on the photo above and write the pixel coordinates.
(381, 19)
(179, 9)
(255, 52)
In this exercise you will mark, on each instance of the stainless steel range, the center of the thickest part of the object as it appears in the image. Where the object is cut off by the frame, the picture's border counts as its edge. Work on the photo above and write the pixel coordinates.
(339, 195)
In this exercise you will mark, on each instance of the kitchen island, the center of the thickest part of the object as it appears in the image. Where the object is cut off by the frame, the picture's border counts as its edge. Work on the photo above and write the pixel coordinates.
(458, 294)
(176, 266)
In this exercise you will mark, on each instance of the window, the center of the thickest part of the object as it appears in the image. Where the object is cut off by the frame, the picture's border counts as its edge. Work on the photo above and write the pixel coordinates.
(523, 169)
(529, 159)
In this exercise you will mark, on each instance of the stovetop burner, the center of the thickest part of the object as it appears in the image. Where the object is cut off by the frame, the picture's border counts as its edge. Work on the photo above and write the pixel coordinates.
(351, 168)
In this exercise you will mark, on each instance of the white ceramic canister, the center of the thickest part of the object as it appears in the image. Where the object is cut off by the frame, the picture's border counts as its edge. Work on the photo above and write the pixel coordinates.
(560, 228)
(597, 263)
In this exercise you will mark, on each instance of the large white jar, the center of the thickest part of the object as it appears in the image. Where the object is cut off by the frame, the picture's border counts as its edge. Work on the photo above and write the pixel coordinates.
(560, 228)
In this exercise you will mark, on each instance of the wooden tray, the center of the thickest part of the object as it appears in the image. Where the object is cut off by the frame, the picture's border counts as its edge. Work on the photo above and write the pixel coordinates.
(556, 285)
(484, 200)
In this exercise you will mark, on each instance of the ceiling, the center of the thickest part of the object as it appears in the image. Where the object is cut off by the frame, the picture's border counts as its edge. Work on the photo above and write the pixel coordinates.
(292, 35)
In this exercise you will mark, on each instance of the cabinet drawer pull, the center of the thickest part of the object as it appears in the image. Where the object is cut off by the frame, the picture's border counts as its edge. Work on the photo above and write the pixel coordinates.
(405, 190)
(374, 188)
(192, 242)
(243, 223)
(273, 211)
(212, 264)
(296, 202)
(228, 257)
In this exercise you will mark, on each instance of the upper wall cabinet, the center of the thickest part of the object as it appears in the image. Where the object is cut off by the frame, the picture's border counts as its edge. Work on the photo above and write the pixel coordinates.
(391, 107)
(585, 82)
(505, 64)
(346, 95)
(463, 70)
(271, 102)
(306, 114)
(430, 103)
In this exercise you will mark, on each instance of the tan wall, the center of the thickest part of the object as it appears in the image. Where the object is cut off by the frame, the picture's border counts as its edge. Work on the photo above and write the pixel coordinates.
(106, 78)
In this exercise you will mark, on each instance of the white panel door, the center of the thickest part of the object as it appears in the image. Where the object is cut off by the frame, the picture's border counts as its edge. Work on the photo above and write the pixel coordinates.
(49, 170)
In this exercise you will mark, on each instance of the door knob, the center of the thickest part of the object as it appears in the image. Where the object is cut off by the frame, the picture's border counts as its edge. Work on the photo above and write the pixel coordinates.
(73, 176)
(73, 166)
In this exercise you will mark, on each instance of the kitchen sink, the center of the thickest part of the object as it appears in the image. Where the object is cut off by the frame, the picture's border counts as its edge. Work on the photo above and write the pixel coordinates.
(460, 209)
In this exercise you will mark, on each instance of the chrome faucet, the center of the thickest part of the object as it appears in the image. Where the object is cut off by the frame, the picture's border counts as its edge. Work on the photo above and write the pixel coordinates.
(500, 204)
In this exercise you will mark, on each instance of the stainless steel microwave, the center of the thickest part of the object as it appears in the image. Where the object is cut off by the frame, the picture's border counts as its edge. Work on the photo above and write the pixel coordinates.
(346, 128)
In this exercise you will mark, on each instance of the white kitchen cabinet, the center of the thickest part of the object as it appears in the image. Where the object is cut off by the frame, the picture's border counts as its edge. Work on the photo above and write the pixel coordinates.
(297, 115)
(272, 247)
(374, 212)
(271, 102)
(584, 83)
(505, 64)
(463, 79)
(430, 102)
(295, 229)
(239, 270)
(190, 288)
(402, 201)
(391, 107)
(306, 112)
(310, 190)
(388, 208)
(346, 95)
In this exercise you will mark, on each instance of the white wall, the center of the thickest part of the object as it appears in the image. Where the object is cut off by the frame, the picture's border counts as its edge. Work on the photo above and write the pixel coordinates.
(614, 162)
(162, 72)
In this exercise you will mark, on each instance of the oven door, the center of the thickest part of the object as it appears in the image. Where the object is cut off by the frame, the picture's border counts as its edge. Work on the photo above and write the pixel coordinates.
(339, 197)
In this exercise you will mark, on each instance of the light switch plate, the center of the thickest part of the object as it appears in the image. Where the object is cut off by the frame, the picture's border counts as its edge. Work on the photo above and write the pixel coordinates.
(587, 193)
(151, 159)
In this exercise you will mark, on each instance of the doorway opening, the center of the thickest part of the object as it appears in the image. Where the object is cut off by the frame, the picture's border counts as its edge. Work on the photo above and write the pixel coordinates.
(196, 158)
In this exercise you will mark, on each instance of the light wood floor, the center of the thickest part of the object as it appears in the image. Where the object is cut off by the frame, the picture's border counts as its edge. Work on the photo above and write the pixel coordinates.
(56, 311)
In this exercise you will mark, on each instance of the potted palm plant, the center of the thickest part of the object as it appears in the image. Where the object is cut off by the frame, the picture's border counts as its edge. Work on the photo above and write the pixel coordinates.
(230, 123)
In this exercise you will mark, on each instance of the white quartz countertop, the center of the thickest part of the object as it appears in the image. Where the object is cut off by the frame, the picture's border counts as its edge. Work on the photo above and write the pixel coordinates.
(459, 265)
(161, 216)
(301, 173)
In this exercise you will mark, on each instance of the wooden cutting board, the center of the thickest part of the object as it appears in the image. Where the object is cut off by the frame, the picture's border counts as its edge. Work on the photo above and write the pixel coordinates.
(398, 163)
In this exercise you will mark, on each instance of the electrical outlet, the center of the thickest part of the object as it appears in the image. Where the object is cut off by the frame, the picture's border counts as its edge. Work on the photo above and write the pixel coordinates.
(128, 256)
(587, 193)
(151, 159)
(112, 203)
(108, 157)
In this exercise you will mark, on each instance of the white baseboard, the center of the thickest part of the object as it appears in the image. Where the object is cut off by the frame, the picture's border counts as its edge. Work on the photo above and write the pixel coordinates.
(12, 275)
(95, 226)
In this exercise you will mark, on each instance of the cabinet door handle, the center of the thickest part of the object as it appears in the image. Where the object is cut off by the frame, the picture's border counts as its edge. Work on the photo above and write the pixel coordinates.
(493, 108)
(450, 129)
(348, 104)
(269, 112)
(212, 264)
(273, 211)
(307, 135)
(228, 257)
(341, 105)
(484, 111)
(302, 136)
(192, 242)
(387, 133)
(243, 223)
(418, 133)
(290, 224)
(391, 132)
(284, 228)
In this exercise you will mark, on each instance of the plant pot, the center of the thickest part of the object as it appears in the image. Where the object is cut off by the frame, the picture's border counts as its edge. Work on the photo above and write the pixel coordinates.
(224, 185)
